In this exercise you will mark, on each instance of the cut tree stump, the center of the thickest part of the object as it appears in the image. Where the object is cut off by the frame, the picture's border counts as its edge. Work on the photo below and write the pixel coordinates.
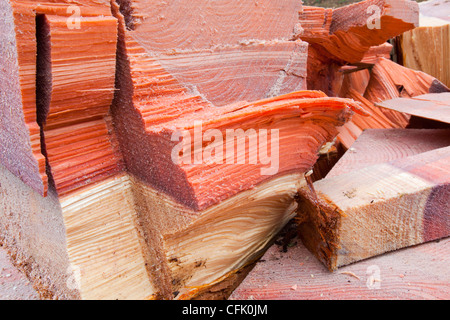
(81, 240)
(205, 205)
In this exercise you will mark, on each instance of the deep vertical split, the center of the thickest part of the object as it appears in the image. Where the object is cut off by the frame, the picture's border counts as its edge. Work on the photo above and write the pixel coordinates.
(126, 10)
(43, 83)
(43, 69)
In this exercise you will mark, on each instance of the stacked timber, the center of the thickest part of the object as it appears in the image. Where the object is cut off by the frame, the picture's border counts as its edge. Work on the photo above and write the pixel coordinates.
(152, 149)
(348, 57)
(412, 274)
(387, 80)
(433, 107)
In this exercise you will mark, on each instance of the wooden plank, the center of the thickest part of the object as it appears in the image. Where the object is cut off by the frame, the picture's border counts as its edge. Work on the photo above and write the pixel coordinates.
(383, 145)
(74, 104)
(429, 106)
(412, 273)
(379, 208)
(418, 273)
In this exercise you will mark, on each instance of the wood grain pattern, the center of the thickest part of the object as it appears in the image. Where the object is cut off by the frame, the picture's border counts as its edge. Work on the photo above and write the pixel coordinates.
(241, 72)
(430, 106)
(146, 86)
(417, 273)
(201, 24)
(383, 145)
(379, 208)
(199, 185)
(103, 243)
(343, 33)
(193, 250)
(415, 45)
(388, 80)
(20, 145)
(427, 47)
(168, 83)
(93, 76)
(87, 222)
(164, 229)
(90, 235)
(78, 142)
(164, 90)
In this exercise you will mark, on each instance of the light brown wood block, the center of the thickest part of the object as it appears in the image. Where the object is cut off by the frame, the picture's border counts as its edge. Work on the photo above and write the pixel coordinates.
(86, 245)
(379, 208)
